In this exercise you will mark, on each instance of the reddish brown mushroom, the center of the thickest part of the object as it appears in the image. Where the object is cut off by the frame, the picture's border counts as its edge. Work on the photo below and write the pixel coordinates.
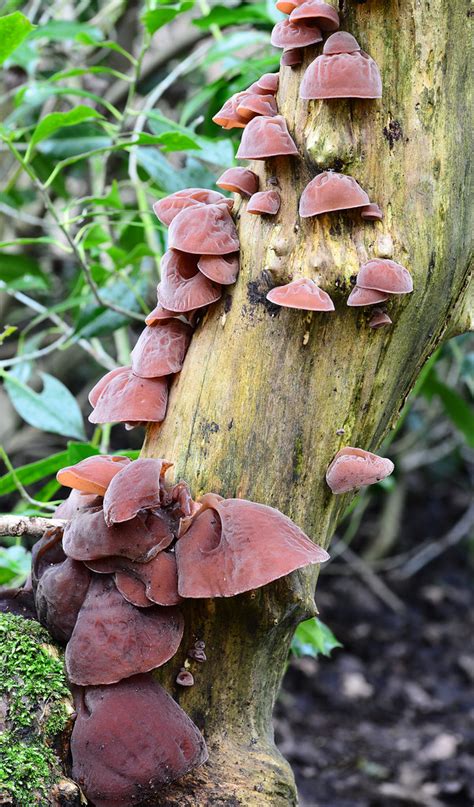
(288, 36)
(292, 58)
(371, 212)
(59, 594)
(160, 313)
(265, 203)
(268, 83)
(379, 319)
(128, 398)
(266, 137)
(206, 230)
(139, 488)
(385, 275)
(342, 73)
(143, 584)
(233, 545)
(182, 286)
(239, 180)
(257, 104)
(113, 640)
(228, 117)
(287, 6)
(330, 191)
(220, 268)
(185, 678)
(130, 739)
(359, 297)
(74, 504)
(302, 293)
(161, 348)
(324, 15)
(93, 474)
(353, 468)
(87, 537)
(169, 207)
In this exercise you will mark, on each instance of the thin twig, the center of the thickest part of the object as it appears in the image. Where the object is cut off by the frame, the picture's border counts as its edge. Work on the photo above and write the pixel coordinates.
(35, 354)
(28, 525)
(368, 576)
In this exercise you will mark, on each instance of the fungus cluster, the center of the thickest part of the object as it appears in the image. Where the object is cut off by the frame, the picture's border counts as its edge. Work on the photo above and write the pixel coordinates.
(109, 587)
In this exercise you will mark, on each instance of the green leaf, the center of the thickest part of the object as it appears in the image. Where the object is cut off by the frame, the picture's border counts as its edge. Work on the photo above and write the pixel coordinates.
(171, 141)
(97, 321)
(15, 563)
(14, 28)
(155, 19)
(313, 638)
(42, 469)
(222, 16)
(64, 30)
(57, 120)
(457, 409)
(21, 272)
(53, 409)
(216, 151)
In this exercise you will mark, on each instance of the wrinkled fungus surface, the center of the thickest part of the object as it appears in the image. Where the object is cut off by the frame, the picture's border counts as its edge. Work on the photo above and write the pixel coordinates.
(129, 398)
(266, 137)
(92, 475)
(385, 275)
(288, 35)
(353, 468)
(161, 348)
(140, 487)
(302, 293)
(207, 230)
(264, 203)
(324, 15)
(330, 191)
(183, 288)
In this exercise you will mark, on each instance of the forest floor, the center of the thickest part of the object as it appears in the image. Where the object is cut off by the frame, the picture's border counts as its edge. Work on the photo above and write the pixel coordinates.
(388, 721)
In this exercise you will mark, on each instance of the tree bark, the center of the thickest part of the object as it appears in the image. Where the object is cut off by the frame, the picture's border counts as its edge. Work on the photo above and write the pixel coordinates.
(258, 407)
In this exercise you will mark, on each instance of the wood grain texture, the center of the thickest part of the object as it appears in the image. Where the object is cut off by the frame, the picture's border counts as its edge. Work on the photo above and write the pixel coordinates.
(256, 409)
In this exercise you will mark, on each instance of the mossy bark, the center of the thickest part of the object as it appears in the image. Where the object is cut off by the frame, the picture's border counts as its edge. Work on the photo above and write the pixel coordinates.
(258, 408)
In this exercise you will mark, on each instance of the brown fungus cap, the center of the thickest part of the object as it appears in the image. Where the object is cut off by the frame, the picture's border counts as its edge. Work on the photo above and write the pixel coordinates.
(359, 297)
(287, 6)
(324, 15)
(113, 640)
(75, 503)
(385, 275)
(129, 740)
(341, 42)
(379, 319)
(265, 203)
(185, 678)
(139, 488)
(257, 104)
(292, 58)
(127, 398)
(182, 285)
(59, 595)
(330, 191)
(239, 180)
(87, 537)
(159, 313)
(143, 584)
(233, 545)
(341, 74)
(371, 212)
(220, 268)
(268, 83)
(93, 474)
(206, 230)
(266, 137)
(169, 207)
(288, 35)
(353, 468)
(161, 348)
(228, 117)
(302, 293)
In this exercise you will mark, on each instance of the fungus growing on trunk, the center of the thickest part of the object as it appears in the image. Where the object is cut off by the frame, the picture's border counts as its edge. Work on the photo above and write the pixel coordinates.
(228, 117)
(265, 203)
(74, 503)
(155, 581)
(342, 71)
(59, 594)
(379, 319)
(161, 348)
(359, 297)
(113, 639)
(185, 678)
(183, 288)
(93, 474)
(330, 191)
(302, 293)
(292, 58)
(266, 137)
(239, 180)
(268, 83)
(206, 230)
(127, 398)
(256, 104)
(220, 268)
(139, 488)
(385, 275)
(324, 15)
(169, 207)
(371, 212)
(116, 758)
(233, 545)
(353, 468)
(288, 35)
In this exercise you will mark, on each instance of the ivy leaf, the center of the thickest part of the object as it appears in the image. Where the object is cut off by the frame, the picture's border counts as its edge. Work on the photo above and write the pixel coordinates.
(313, 638)
(54, 409)
(14, 28)
(57, 120)
(154, 20)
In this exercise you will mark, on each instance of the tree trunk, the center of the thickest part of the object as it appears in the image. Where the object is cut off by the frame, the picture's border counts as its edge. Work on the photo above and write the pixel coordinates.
(258, 408)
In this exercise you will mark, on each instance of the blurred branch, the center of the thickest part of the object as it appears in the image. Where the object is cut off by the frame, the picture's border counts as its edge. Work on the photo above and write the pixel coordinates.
(376, 585)
(28, 525)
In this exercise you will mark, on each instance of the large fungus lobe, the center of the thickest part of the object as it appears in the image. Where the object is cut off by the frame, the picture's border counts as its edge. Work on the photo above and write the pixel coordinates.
(113, 640)
(266, 137)
(385, 275)
(161, 348)
(264, 203)
(239, 180)
(353, 468)
(342, 71)
(143, 584)
(288, 35)
(330, 191)
(59, 595)
(233, 545)
(324, 15)
(206, 230)
(257, 104)
(93, 474)
(183, 288)
(130, 739)
(302, 293)
(169, 207)
(139, 488)
(220, 268)
(129, 398)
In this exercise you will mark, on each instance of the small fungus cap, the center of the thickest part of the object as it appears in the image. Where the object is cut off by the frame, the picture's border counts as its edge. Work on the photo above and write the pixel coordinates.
(183, 288)
(93, 474)
(379, 319)
(140, 488)
(264, 203)
(129, 740)
(341, 42)
(371, 212)
(159, 313)
(239, 180)
(353, 468)
(220, 268)
(303, 294)
(359, 297)
(203, 230)
(266, 137)
(127, 398)
(257, 104)
(143, 584)
(288, 35)
(169, 207)
(385, 275)
(269, 82)
(228, 117)
(343, 75)
(291, 58)
(161, 348)
(324, 15)
(233, 545)
(287, 6)
(330, 191)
